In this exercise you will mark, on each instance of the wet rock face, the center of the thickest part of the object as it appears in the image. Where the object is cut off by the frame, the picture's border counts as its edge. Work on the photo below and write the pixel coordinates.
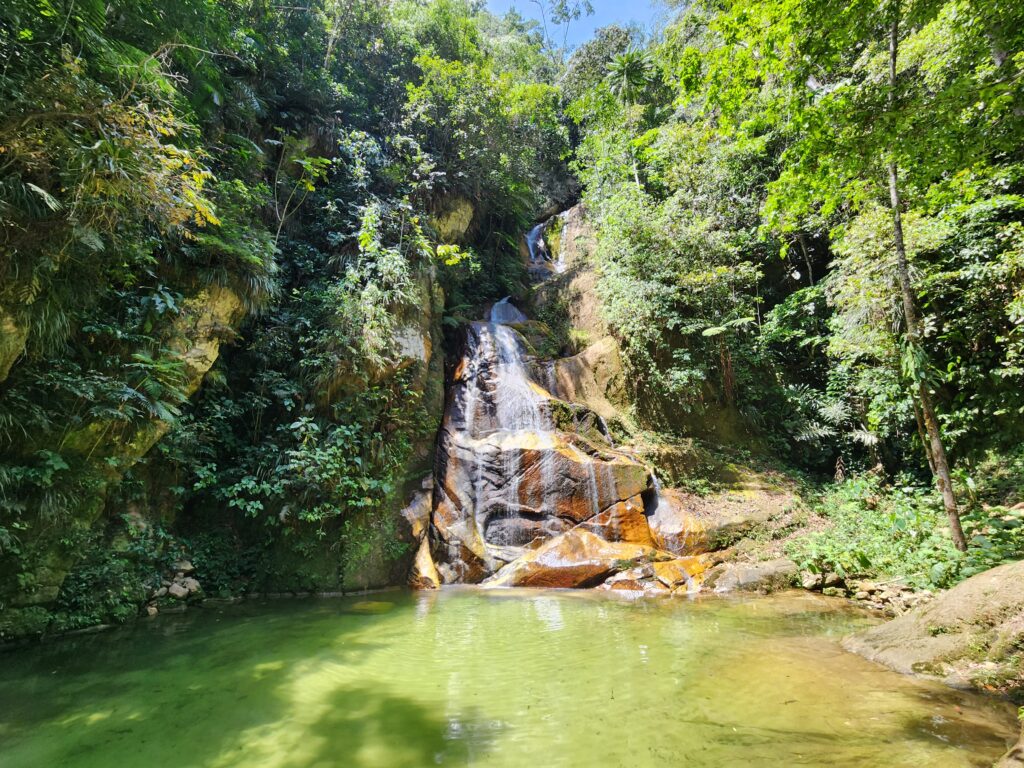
(573, 560)
(508, 478)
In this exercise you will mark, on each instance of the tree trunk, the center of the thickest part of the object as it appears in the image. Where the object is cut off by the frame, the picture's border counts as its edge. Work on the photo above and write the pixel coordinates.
(912, 324)
(807, 258)
(922, 435)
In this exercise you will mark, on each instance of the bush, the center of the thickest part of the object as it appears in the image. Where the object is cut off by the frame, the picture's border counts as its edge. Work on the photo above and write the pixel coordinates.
(878, 531)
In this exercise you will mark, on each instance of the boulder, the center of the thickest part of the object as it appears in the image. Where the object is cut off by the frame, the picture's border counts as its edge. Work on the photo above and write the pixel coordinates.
(594, 378)
(765, 576)
(184, 567)
(192, 585)
(453, 219)
(624, 521)
(967, 636)
(684, 572)
(685, 523)
(575, 559)
(178, 591)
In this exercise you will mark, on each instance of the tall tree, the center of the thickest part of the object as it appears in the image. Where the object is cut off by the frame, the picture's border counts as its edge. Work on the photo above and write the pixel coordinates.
(869, 125)
(630, 74)
(935, 448)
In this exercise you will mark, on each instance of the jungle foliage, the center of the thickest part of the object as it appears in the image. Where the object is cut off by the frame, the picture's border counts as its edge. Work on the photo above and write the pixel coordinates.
(742, 168)
(229, 232)
(264, 185)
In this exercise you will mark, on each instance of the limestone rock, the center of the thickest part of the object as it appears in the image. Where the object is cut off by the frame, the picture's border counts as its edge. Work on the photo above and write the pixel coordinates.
(424, 573)
(685, 523)
(192, 585)
(683, 572)
(574, 559)
(572, 241)
(454, 220)
(507, 478)
(184, 567)
(417, 512)
(178, 591)
(510, 489)
(764, 576)
(594, 377)
(624, 521)
(963, 636)
(205, 320)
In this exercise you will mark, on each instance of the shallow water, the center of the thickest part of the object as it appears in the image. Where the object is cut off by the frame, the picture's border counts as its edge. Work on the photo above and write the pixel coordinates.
(467, 677)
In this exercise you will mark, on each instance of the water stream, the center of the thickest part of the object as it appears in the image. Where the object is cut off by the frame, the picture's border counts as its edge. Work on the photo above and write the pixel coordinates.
(493, 680)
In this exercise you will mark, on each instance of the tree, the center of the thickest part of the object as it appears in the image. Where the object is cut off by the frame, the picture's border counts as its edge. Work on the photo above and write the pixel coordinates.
(560, 13)
(630, 74)
(865, 125)
(588, 65)
(935, 448)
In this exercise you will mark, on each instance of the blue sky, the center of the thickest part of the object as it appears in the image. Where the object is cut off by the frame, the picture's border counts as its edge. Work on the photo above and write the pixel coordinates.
(606, 12)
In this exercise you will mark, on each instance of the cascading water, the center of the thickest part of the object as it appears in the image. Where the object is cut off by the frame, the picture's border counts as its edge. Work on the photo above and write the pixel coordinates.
(535, 243)
(510, 474)
(504, 312)
(540, 266)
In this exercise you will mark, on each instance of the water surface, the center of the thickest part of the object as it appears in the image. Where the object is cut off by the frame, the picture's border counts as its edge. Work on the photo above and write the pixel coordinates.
(467, 678)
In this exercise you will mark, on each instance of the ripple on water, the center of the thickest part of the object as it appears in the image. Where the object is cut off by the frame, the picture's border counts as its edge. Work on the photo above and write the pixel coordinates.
(485, 679)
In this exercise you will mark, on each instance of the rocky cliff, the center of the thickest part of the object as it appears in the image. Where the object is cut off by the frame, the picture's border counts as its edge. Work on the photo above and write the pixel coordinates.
(32, 575)
(540, 475)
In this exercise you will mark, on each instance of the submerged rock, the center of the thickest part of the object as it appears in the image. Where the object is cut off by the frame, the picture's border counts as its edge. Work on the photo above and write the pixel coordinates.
(371, 607)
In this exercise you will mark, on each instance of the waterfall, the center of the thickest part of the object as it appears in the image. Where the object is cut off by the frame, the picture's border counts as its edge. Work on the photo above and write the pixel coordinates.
(535, 244)
(507, 476)
(505, 312)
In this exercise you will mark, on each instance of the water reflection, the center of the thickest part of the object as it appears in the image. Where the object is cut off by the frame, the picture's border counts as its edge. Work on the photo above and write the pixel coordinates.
(466, 678)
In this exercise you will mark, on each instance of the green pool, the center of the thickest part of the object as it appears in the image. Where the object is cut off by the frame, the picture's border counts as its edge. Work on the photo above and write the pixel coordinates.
(471, 678)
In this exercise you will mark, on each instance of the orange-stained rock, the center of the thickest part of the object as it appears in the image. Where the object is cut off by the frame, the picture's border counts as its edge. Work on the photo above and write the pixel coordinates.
(683, 572)
(424, 573)
(511, 489)
(575, 559)
(624, 521)
(537, 473)
(510, 476)
(639, 582)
